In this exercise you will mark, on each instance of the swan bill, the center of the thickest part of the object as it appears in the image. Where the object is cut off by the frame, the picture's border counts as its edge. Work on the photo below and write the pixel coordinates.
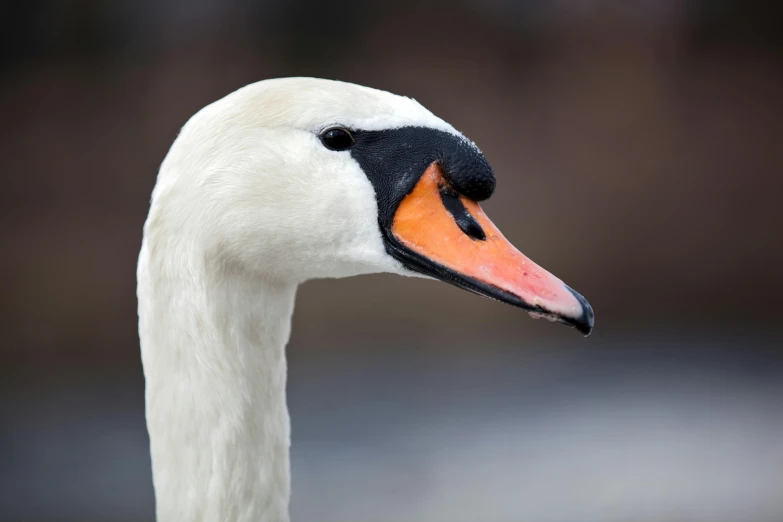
(445, 235)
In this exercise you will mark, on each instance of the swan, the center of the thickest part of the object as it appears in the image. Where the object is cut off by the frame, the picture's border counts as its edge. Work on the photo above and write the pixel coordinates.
(279, 182)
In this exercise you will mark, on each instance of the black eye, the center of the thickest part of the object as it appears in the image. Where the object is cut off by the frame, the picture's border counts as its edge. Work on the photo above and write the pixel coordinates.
(337, 139)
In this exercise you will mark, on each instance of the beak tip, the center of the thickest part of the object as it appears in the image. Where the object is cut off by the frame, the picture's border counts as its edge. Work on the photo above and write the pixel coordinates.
(585, 322)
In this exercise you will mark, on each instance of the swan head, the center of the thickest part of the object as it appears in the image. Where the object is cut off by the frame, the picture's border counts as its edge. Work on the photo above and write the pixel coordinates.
(302, 178)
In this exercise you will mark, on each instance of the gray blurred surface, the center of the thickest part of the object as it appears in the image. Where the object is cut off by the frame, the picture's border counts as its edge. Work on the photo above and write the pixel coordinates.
(639, 430)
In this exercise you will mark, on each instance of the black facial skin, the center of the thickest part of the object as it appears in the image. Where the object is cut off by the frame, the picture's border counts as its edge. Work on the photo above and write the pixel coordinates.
(394, 161)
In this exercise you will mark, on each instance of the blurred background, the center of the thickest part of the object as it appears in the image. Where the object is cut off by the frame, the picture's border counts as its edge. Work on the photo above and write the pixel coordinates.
(638, 148)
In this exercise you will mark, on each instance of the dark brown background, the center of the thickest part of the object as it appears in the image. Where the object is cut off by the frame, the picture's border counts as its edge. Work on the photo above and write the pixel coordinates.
(638, 148)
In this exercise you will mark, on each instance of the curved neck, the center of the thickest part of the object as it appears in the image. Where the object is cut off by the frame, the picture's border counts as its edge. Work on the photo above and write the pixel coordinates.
(213, 348)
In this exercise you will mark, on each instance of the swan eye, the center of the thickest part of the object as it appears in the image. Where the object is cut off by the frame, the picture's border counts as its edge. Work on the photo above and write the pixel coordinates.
(337, 139)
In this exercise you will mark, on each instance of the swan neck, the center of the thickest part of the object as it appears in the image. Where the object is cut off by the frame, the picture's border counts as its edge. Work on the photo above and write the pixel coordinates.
(213, 349)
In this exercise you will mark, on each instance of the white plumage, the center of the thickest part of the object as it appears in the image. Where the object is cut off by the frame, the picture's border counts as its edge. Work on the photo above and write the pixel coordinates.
(247, 205)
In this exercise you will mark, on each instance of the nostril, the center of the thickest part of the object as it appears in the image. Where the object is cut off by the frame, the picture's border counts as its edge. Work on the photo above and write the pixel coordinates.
(475, 231)
(462, 217)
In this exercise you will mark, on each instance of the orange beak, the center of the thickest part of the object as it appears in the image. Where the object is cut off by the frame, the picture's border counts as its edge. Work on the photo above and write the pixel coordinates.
(462, 246)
